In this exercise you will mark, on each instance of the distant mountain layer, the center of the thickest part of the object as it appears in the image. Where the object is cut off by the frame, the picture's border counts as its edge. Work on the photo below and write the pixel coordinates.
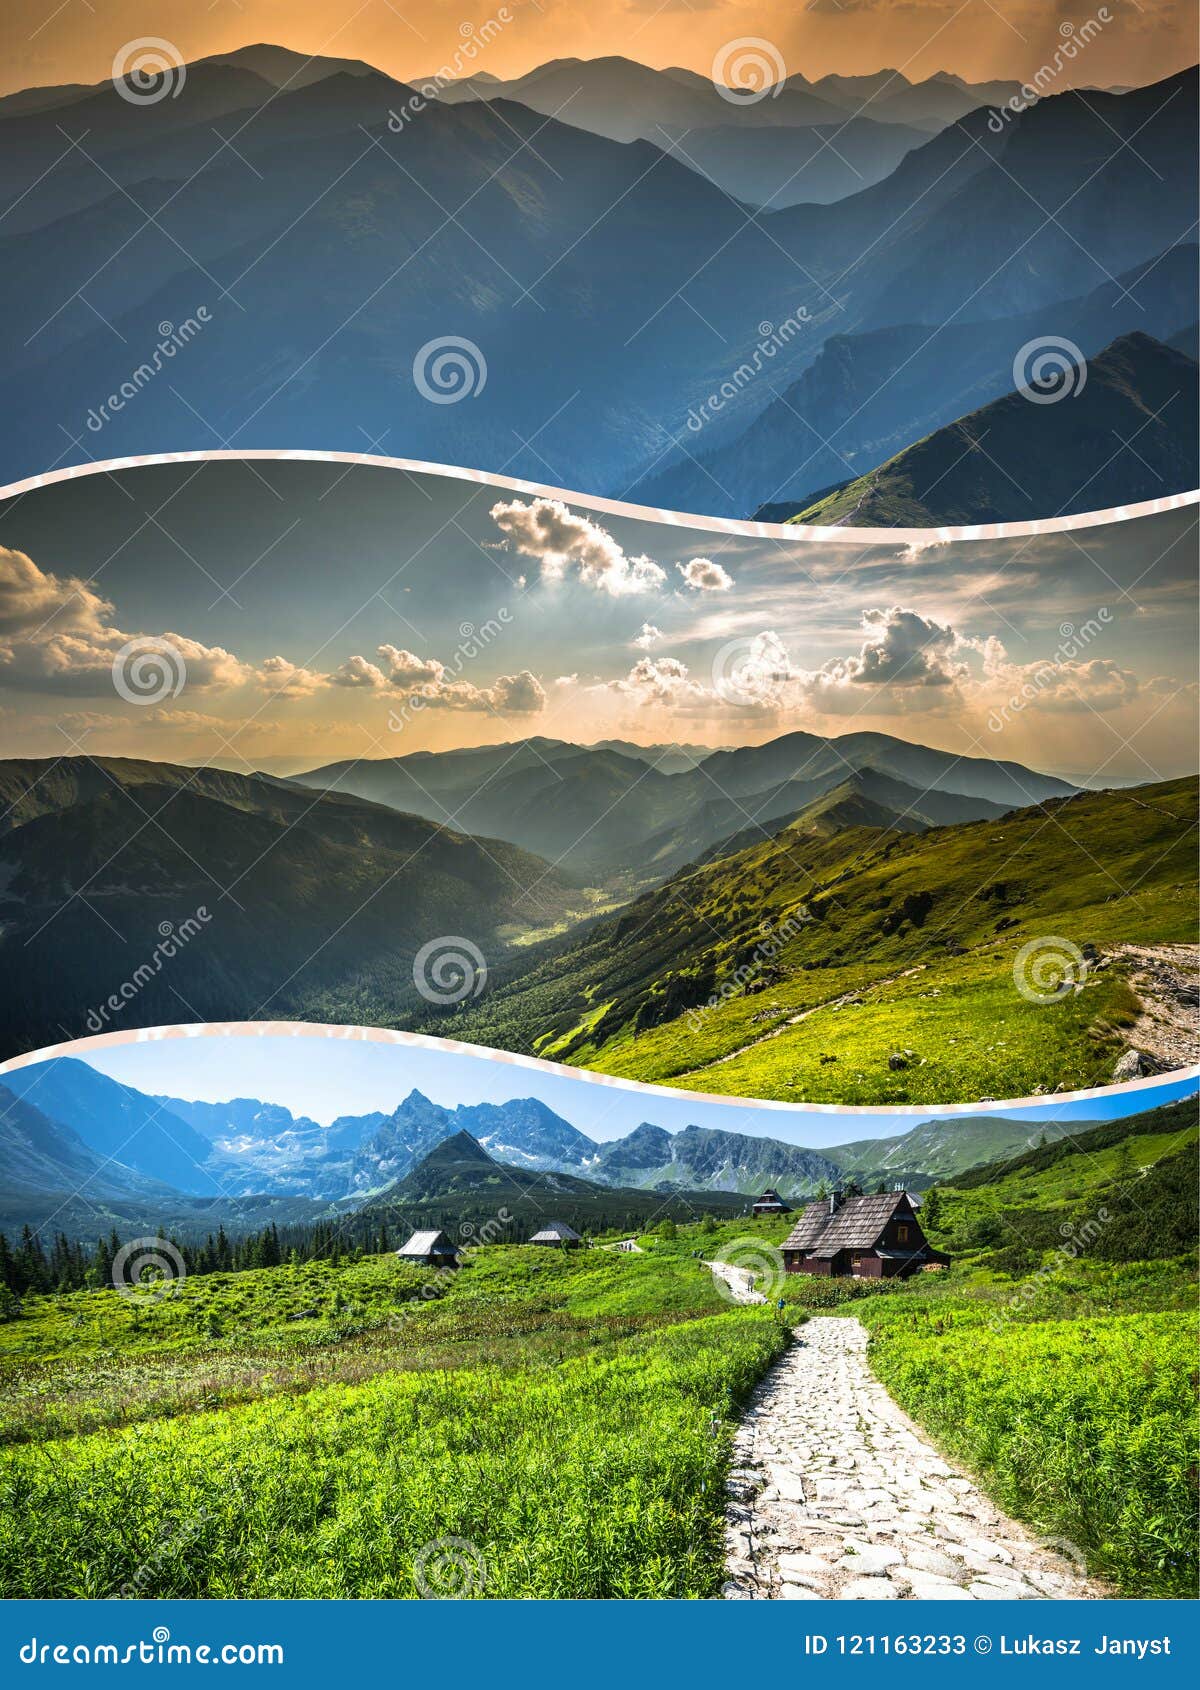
(459, 1186)
(805, 145)
(243, 896)
(609, 285)
(1126, 429)
(599, 813)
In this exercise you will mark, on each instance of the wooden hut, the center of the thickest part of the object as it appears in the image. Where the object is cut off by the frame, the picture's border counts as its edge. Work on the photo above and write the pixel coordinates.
(771, 1203)
(430, 1249)
(558, 1232)
(876, 1237)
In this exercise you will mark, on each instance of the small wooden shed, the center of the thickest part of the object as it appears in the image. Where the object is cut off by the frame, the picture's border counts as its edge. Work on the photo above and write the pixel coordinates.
(558, 1232)
(771, 1203)
(430, 1249)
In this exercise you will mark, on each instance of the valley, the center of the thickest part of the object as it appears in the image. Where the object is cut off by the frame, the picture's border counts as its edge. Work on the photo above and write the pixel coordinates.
(870, 965)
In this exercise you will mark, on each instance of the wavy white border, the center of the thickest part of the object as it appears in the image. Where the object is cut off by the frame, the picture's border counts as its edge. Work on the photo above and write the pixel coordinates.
(616, 507)
(560, 1070)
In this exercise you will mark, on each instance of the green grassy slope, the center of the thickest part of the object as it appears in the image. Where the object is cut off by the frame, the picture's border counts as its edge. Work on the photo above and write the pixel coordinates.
(1012, 460)
(883, 944)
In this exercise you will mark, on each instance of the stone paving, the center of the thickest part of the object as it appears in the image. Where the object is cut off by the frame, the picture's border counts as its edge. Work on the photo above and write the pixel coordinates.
(835, 1493)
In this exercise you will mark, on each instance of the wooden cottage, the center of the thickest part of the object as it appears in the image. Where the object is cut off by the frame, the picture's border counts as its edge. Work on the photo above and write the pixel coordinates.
(771, 1203)
(876, 1237)
(430, 1249)
(558, 1232)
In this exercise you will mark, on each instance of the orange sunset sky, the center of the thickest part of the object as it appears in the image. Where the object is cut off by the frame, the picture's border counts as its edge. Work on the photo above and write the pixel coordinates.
(61, 41)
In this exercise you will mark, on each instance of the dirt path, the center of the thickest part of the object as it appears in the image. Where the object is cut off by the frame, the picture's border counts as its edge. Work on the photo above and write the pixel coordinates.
(739, 1280)
(835, 1493)
(1167, 980)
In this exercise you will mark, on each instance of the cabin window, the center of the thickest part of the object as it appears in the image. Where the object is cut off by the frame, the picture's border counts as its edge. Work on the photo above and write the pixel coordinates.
(856, 1259)
(902, 1234)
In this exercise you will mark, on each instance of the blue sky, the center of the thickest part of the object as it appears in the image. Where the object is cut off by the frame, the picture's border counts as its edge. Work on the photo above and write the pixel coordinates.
(327, 1077)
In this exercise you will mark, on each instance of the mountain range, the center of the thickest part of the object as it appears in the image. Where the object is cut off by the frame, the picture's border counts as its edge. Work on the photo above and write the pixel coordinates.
(342, 229)
(1126, 430)
(596, 810)
(139, 893)
(82, 1152)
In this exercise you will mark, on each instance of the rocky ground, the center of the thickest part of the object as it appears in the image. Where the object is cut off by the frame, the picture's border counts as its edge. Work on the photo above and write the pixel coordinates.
(835, 1493)
(1166, 1034)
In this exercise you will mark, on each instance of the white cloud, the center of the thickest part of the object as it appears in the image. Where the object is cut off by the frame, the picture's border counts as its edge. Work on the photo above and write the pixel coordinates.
(649, 636)
(903, 648)
(427, 679)
(57, 636)
(666, 682)
(358, 672)
(36, 602)
(560, 541)
(705, 576)
(286, 680)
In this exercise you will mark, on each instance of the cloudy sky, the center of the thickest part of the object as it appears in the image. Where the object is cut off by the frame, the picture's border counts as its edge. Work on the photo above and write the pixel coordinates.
(281, 615)
(324, 1078)
(57, 41)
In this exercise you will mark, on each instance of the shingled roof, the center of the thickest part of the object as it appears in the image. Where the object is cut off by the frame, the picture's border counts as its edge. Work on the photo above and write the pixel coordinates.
(428, 1244)
(856, 1225)
(556, 1232)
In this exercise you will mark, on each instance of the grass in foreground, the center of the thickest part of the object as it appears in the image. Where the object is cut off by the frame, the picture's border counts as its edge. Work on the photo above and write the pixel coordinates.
(89, 1359)
(598, 1478)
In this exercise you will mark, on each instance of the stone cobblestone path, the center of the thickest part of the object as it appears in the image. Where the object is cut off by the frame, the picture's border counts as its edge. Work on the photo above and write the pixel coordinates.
(834, 1492)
